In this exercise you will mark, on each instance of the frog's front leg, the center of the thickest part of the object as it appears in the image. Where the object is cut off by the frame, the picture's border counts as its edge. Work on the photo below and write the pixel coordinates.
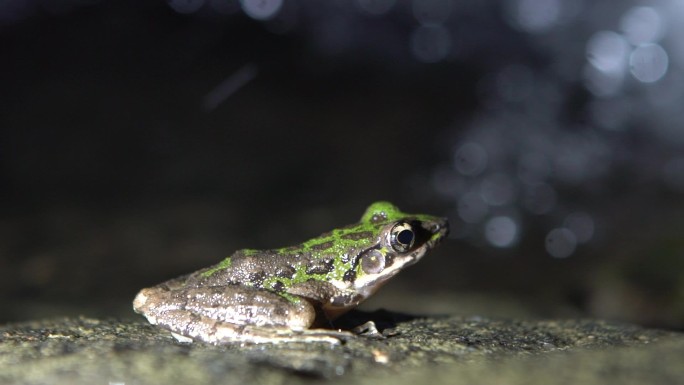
(233, 313)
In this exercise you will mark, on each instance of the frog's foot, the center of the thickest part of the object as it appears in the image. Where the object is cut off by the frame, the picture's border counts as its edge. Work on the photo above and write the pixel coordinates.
(368, 329)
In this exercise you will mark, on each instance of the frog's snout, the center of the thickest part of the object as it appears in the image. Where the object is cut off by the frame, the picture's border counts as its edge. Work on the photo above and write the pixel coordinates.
(438, 228)
(140, 300)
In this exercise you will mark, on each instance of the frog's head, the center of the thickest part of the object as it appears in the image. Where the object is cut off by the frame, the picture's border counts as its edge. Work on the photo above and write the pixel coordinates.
(365, 255)
(401, 240)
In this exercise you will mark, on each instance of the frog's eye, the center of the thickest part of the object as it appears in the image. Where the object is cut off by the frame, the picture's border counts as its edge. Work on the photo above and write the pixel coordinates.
(372, 262)
(402, 237)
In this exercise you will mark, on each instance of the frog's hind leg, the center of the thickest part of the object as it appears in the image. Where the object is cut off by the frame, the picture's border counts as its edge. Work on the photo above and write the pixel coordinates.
(225, 314)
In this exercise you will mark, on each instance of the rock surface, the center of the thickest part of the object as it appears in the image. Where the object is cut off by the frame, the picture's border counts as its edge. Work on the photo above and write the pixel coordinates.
(435, 350)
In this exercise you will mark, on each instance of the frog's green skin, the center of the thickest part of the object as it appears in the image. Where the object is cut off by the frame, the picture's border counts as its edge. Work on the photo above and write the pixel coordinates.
(278, 295)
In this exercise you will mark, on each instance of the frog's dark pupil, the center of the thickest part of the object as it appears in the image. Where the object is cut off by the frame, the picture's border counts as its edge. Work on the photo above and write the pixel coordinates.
(405, 237)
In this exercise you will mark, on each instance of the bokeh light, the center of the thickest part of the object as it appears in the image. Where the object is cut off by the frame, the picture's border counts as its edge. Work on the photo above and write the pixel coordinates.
(186, 6)
(261, 9)
(470, 159)
(501, 231)
(561, 243)
(648, 63)
(430, 44)
(607, 51)
(642, 25)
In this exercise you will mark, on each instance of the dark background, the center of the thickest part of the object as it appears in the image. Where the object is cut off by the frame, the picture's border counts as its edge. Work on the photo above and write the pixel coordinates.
(140, 140)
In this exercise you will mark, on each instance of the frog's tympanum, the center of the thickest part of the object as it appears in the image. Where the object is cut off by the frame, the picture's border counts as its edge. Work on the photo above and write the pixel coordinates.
(279, 295)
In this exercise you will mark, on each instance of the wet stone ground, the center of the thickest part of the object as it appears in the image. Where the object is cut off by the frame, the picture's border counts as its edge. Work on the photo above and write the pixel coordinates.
(434, 350)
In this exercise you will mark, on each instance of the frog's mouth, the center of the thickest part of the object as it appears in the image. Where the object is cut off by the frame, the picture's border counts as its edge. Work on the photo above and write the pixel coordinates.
(437, 229)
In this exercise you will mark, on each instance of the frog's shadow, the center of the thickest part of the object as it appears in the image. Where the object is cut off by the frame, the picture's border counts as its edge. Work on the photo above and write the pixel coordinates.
(383, 319)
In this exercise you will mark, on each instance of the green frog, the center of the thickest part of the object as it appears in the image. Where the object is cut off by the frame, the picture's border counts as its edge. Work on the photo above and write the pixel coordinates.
(281, 295)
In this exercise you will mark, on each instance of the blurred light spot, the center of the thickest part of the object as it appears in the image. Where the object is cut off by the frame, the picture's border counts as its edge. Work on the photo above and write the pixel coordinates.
(648, 63)
(607, 51)
(229, 86)
(581, 225)
(261, 9)
(431, 12)
(515, 82)
(186, 6)
(673, 174)
(642, 25)
(536, 15)
(471, 208)
(375, 7)
(602, 84)
(533, 167)
(539, 198)
(498, 189)
(561, 243)
(501, 231)
(225, 7)
(430, 44)
(447, 182)
(470, 159)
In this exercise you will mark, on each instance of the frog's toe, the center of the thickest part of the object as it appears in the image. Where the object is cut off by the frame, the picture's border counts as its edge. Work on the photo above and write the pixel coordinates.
(368, 329)
(181, 338)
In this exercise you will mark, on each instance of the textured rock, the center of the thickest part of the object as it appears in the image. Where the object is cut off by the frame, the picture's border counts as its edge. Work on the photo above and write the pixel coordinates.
(452, 350)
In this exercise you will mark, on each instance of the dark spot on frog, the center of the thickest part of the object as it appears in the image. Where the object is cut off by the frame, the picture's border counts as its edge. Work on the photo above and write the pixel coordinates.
(357, 235)
(278, 286)
(349, 275)
(257, 279)
(285, 272)
(320, 266)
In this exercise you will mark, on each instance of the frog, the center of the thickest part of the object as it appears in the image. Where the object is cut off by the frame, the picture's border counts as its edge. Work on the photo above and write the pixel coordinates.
(292, 293)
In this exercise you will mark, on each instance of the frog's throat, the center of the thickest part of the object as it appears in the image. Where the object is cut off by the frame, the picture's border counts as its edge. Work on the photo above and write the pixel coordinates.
(368, 284)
